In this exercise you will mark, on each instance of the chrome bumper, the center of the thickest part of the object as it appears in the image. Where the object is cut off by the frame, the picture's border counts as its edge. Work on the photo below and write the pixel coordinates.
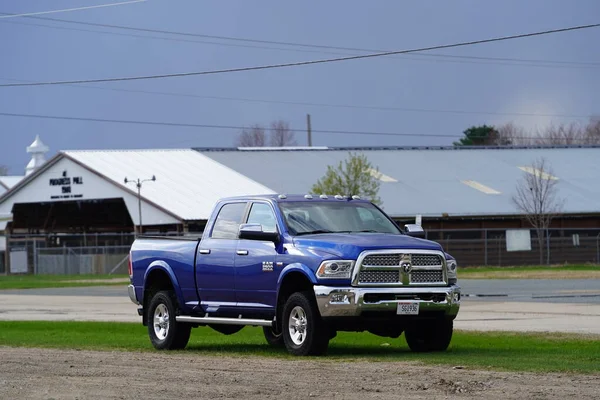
(132, 296)
(350, 301)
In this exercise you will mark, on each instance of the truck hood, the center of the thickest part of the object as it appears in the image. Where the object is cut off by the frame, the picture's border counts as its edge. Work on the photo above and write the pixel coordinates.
(349, 246)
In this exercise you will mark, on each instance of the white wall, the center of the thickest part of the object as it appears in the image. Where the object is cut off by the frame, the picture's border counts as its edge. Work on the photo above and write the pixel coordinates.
(82, 184)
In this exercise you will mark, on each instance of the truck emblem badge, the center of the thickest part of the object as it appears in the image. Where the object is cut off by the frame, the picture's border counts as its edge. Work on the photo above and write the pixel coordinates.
(406, 264)
(267, 266)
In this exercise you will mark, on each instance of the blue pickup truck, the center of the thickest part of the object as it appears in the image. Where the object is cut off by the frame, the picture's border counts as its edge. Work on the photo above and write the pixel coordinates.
(302, 267)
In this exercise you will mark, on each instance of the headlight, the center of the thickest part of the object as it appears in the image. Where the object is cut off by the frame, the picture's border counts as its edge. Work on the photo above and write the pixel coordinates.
(335, 269)
(451, 267)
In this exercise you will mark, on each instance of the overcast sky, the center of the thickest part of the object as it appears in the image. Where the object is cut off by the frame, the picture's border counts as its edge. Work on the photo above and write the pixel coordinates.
(460, 92)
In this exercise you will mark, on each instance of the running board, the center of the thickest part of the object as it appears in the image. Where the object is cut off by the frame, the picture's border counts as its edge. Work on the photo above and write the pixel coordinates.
(223, 321)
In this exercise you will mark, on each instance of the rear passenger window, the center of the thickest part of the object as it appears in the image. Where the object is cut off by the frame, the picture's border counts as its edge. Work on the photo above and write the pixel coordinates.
(228, 221)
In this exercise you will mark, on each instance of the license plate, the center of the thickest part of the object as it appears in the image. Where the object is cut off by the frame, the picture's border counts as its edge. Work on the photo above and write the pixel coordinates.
(408, 308)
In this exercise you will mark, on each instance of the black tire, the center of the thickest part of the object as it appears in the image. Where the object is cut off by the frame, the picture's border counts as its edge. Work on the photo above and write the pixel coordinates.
(314, 335)
(168, 334)
(426, 336)
(273, 338)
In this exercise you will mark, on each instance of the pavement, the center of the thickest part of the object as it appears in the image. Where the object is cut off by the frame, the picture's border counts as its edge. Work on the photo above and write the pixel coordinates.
(571, 306)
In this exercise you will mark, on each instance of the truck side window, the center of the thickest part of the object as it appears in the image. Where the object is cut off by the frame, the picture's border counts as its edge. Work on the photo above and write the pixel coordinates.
(228, 221)
(261, 213)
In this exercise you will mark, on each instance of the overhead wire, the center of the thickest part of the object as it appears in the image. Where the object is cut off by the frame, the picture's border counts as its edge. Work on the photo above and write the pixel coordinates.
(297, 47)
(314, 104)
(237, 127)
(304, 63)
(212, 126)
(6, 16)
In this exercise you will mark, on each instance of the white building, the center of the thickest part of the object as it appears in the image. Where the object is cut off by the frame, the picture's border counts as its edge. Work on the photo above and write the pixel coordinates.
(85, 191)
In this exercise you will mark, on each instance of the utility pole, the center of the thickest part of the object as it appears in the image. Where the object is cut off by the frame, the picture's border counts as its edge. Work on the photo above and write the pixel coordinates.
(138, 183)
(309, 130)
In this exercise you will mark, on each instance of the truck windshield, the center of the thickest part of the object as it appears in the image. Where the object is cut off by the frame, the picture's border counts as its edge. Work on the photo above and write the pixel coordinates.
(304, 217)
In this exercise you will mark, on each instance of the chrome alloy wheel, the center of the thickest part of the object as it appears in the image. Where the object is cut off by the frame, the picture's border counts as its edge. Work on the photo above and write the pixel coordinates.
(161, 321)
(297, 325)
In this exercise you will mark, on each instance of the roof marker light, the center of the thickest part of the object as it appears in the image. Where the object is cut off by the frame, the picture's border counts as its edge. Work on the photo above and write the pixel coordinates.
(282, 196)
(308, 196)
(339, 197)
(356, 197)
(323, 196)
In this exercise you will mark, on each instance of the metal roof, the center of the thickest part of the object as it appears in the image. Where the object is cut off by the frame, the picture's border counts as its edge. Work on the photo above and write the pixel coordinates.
(188, 184)
(431, 181)
(8, 182)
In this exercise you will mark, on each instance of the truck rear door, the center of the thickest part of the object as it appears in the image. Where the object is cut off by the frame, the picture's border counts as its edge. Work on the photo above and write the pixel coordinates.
(215, 275)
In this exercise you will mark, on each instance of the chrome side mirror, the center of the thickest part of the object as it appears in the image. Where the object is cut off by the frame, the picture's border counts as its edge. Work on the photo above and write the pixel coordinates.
(255, 232)
(414, 230)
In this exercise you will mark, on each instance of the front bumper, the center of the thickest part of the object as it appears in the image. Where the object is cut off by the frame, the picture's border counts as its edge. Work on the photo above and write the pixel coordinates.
(132, 295)
(354, 301)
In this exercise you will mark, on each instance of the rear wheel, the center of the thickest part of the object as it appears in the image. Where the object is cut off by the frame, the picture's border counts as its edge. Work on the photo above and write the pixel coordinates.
(164, 331)
(427, 336)
(304, 332)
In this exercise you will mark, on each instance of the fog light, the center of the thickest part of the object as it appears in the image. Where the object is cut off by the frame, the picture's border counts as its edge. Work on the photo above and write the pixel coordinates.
(339, 298)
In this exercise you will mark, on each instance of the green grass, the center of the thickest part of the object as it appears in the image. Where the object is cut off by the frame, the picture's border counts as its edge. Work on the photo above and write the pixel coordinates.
(494, 351)
(54, 281)
(585, 271)
(529, 268)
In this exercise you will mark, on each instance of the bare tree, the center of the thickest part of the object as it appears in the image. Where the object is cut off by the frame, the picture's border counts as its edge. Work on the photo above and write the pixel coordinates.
(537, 199)
(510, 133)
(281, 134)
(569, 134)
(3, 170)
(592, 131)
(253, 137)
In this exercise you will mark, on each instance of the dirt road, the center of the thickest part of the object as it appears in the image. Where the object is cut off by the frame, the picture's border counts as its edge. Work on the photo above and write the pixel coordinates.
(59, 374)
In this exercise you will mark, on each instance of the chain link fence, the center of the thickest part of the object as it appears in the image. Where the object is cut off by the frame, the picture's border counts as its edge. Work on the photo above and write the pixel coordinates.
(488, 247)
(81, 260)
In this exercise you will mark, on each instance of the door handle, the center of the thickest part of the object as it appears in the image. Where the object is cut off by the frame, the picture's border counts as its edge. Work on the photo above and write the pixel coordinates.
(204, 251)
(242, 252)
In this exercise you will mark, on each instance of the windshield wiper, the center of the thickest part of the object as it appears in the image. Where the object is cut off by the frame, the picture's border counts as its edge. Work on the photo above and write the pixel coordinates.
(313, 232)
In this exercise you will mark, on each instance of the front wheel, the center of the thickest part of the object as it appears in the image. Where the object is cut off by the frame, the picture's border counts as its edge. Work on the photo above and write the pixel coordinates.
(304, 332)
(164, 331)
(427, 336)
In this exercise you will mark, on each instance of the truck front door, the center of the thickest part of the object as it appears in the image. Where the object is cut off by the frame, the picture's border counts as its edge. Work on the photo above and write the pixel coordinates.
(256, 268)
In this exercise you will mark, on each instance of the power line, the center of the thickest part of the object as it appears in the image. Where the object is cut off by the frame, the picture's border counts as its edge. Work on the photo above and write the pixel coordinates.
(69, 9)
(324, 49)
(330, 105)
(212, 126)
(169, 38)
(309, 62)
(239, 128)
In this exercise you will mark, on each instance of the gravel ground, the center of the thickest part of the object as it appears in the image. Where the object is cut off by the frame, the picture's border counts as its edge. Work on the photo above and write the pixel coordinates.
(70, 374)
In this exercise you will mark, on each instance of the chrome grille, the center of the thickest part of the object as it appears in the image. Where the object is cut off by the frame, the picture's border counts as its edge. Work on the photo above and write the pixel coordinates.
(384, 268)
(379, 277)
(426, 276)
(426, 260)
(382, 260)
